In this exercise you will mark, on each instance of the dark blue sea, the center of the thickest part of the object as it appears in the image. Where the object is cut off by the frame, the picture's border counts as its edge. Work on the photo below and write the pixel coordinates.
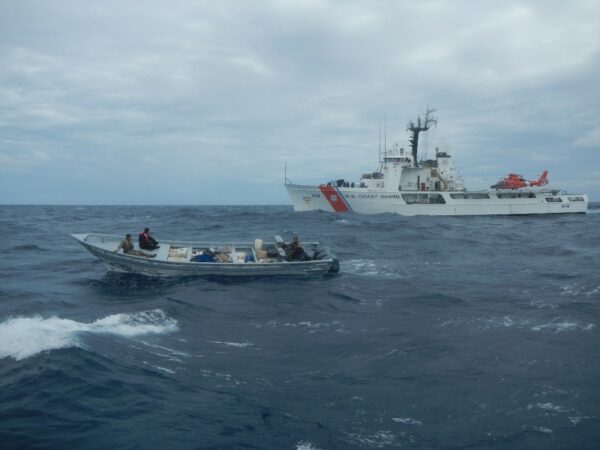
(438, 332)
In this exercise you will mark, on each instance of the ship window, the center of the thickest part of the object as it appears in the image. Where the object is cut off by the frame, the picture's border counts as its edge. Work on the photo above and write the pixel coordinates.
(470, 195)
(576, 199)
(508, 195)
(554, 199)
(423, 199)
(516, 195)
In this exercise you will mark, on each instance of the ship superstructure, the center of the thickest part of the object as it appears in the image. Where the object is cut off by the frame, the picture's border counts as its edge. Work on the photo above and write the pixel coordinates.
(404, 185)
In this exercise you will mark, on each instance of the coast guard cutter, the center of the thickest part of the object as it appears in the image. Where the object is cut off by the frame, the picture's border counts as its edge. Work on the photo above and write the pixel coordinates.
(404, 185)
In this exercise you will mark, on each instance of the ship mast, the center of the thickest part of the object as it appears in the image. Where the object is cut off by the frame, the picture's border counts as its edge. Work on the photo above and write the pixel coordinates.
(416, 129)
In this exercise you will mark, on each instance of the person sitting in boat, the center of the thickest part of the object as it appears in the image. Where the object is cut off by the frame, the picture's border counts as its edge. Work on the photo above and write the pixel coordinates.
(128, 248)
(294, 250)
(146, 241)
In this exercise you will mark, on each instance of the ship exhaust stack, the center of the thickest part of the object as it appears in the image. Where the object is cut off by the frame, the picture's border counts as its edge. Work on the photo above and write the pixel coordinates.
(416, 129)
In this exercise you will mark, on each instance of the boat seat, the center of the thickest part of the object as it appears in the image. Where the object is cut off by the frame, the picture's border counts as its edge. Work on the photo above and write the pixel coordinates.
(163, 252)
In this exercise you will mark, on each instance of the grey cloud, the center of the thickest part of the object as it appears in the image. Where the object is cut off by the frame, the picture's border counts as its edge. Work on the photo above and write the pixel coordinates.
(232, 90)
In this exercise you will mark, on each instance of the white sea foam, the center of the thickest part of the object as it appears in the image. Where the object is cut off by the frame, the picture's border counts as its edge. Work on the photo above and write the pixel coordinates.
(166, 352)
(370, 267)
(548, 407)
(407, 420)
(556, 325)
(543, 304)
(544, 430)
(576, 419)
(305, 445)
(233, 344)
(380, 439)
(312, 327)
(574, 290)
(361, 266)
(594, 291)
(22, 337)
(559, 325)
(228, 378)
(162, 369)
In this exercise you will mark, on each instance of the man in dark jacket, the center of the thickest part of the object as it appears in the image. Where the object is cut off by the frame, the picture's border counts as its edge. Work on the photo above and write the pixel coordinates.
(294, 250)
(146, 241)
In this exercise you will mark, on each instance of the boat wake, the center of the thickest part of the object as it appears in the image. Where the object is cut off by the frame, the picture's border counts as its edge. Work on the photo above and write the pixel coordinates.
(23, 337)
(370, 267)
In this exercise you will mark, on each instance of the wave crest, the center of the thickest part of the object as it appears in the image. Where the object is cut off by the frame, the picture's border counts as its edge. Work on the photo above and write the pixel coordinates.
(23, 337)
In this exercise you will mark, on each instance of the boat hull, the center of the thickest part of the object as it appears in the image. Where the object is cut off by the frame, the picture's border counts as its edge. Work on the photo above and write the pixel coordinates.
(155, 267)
(365, 201)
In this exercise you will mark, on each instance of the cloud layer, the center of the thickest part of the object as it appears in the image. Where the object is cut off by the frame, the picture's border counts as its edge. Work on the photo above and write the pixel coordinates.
(204, 102)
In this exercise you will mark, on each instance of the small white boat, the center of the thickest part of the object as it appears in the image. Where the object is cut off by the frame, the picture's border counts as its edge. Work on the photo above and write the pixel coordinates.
(235, 259)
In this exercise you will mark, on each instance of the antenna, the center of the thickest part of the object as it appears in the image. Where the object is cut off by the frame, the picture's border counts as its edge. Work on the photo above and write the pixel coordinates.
(379, 153)
(385, 136)
(285, 172)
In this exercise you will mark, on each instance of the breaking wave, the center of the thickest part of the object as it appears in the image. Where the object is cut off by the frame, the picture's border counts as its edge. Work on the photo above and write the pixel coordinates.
(22, 337)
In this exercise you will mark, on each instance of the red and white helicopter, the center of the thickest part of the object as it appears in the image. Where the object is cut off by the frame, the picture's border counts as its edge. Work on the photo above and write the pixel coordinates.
(514, 181)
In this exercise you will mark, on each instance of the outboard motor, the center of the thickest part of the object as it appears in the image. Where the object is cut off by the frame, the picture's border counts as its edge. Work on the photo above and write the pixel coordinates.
(335, 266)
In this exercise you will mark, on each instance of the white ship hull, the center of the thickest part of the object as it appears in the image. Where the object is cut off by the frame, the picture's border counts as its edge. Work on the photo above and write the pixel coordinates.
(457, 203)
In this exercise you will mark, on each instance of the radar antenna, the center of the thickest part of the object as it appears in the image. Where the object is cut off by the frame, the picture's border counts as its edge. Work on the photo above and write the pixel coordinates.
(424, 125)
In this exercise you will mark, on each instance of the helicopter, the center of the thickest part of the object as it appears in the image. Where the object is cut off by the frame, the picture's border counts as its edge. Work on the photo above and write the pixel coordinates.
(514, 181)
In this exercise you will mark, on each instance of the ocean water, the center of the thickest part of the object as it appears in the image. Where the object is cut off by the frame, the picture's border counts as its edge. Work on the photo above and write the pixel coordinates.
(478, 332)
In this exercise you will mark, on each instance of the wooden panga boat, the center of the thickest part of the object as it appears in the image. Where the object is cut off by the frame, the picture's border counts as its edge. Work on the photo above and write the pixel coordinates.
(221, 259)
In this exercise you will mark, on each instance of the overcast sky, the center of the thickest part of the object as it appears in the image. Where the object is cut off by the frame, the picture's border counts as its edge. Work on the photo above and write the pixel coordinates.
(190, 102)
